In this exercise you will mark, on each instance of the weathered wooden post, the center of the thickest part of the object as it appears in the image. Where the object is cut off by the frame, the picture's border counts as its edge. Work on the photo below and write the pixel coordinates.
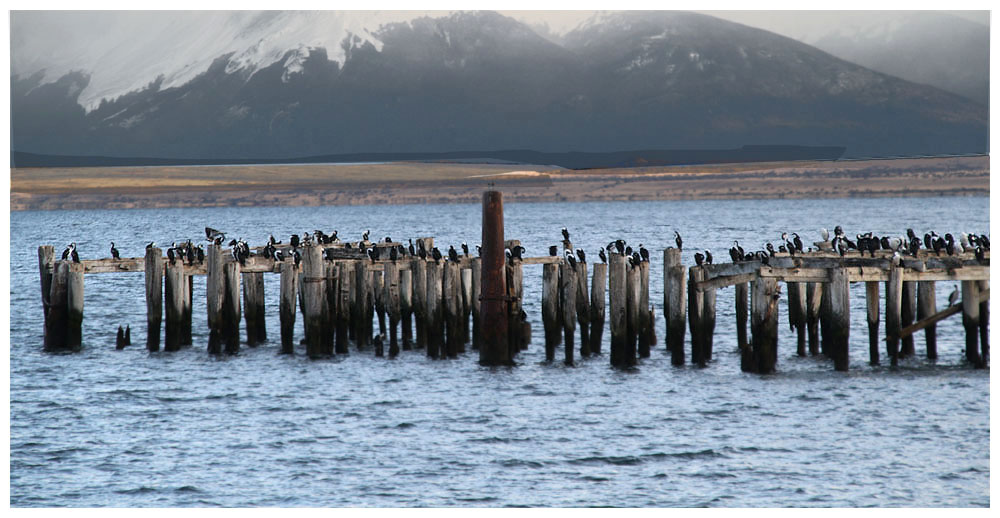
(840, 318)
(253, 304)
(551, 316)
(154, 297)
(56, 324)
(893, 307)
(872, 302)
(825, 322)
(907, 312)
(567, 302)
(927, 306)
(515, 288)
(186, 338)
(598, 288)
(363, 304)
(642, 309)
(406, 307)
(763, 350)
(173, 290)
(378, 296)
(419, 268)
(391, 299)
(814, 299)
(493, 283)
(74, 306)
(215, 295)
(696, 312)
(984, 324)
(477, 291)
(345, 287)
(332, 293)
(743, 313)
(313, 288)
(797, 314)
(970, 320)
(435, 318)
(451, 283)
(674, 304)
(46, 254)
(617, 285)
(466, 274)
(583, 307)
(286, 306)
(708, 323)
(231, 308)
(632, 313)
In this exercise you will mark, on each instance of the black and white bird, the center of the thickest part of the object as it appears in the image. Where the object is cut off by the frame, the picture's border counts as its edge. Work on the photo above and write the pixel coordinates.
(364, 237)
(436, 254)
(294, 241)
(570, 259)
(797, 241)
(953, 298)
(114, 251)
(201, 254)
(279, 256)
(825, 234)
(581, 255)
(678, 240)
(297, 257)
(452, 254)
(75, 256)
(565, 234)
(708, 257)
(212, 235)
(602, 255)
(465, 249)
(699, 258)
(643, 253)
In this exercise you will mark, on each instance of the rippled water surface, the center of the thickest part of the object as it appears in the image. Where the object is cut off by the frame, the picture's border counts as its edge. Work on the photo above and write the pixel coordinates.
(132, 428)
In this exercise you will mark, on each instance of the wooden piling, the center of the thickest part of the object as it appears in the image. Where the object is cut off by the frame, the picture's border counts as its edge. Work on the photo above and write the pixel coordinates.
(696, 311)
(797, 314)
(927, 306)
(598, 288)
(466, 274)
(215, 287)
(253, 304)
(74, 306)
(364, 309)
(173, 291)
(186, 330)
(893, 306)
(708, 323)
(406, 307)
(617, 286)
(56, 324)
(46, 254)
(391, 301)
(970, 320)
(632, 311)
(434, 323)
(378, 296)
(345, 289)
(762, 355)
(825, 321)
(493, 313)
(154, 297)
(907, 313)
(551, 316)
(451, 282)
(674, 304)
(840, 318)
(314, 296)
(583, 307)
(286, 306)
(419, 268)
(814, 298)
(567, 303)
(643, 323)
(984, 323)
(332, 292)
(514, 277)
(231, 308)
(743, 313)
(872, 303)
(477, 291)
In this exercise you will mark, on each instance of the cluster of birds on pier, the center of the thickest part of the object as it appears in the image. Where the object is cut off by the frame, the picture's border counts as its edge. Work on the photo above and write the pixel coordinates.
(618, 246)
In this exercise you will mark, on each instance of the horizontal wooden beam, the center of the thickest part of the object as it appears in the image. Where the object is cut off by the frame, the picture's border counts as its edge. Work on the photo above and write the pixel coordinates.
(939, 316)
(722, 282)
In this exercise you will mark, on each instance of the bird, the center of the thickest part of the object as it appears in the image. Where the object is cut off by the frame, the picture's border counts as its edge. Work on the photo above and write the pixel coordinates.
(953, 298)
(297, 257)
(565, 234)
(212, 235)
(602, 255)
(797, 241)
(153, 244)
(452, 254)
(825, 234)
(465, 249)
(735, 255)
(170, 255)
(517, 252)
(708, 257)
(897, 259)
(388, 239)
(770, 249)
(678, 240)
(436, 254)
(69, 248)
(412, 250)
(620, 246)
(643, 253)
(114, 251)
(570, 259)
(74, 255)
(393, 253)
(279, 256)
(373, 253)
(364, 237)
(479, 251)
(294, 240)
(271, 240)
(699, 258)
(582, 255)
(553, 250)
(980, 255)
(201, 254)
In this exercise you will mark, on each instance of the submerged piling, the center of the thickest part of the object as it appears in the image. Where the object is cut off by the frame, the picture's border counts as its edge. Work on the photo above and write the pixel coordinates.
(872, 303)
(814, 299)
(253, 304)
(567, 302)
(173, 291)
(797, 314)
(551, 316)
(970, 320)
(154, 297)
(406, 307)
(286, 306)
(840, 317)
(674, 304)
(927, 306)
(618, 311)
(583, 307)
(493, 312)
(597, 313)
(56, 323)
(893, 306)
(907, 312)
(762, 355)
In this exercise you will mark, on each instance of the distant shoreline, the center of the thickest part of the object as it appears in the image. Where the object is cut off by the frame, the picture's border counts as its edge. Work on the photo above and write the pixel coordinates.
(416, 183)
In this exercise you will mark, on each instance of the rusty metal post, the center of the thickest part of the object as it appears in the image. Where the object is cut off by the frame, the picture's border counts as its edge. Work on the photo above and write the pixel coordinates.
(493, 314)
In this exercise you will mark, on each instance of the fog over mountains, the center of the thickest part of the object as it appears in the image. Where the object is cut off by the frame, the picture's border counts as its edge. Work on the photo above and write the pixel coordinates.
(269, 85)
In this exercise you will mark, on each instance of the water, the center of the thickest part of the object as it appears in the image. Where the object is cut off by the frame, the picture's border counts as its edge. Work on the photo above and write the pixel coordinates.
(131, 428)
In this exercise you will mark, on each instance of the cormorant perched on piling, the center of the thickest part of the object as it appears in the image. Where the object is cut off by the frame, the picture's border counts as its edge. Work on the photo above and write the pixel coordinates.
(570, 259)
(74, 255)
(517, 252)
(114, 251)
(643, 253)
(421, 251)
(914, 246)
(953, 298)
(294, 240)
(770, 249)
(735, 254)
(373, 253)
(452, 254)
(628, 250)
(762, 257)
(602, 255)
(699, 259)
(634, 260)
(553, 250)
(69, 248)
(364, 237)
(170, 254)
(297, 256)
(413, 251)
(797, 241)
(980, 255)
(678, 240)
(565, 234)
(152, 244)
(708, 257)
(479, 251)
(201, 254)
(212, 235)
(928, 243)
(271, 240)
(388, 239)
(620, 245)
(279, 256)
(393, 253)
(465, 249)
(436, 254)
(938, 245)
(582, 255)
(949, 244)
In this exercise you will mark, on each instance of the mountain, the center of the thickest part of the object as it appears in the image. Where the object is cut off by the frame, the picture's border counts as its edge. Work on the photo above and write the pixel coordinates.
(931, 48)
(480, 80)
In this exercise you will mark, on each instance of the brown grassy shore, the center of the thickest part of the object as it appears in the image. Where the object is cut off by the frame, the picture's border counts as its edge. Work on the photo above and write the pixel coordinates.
(403, 182)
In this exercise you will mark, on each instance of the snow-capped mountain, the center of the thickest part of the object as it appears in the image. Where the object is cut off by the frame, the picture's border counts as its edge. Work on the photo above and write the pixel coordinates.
(480, 81)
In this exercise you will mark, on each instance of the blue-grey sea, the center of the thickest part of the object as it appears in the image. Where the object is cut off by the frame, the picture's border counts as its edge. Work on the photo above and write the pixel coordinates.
(130, 428)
